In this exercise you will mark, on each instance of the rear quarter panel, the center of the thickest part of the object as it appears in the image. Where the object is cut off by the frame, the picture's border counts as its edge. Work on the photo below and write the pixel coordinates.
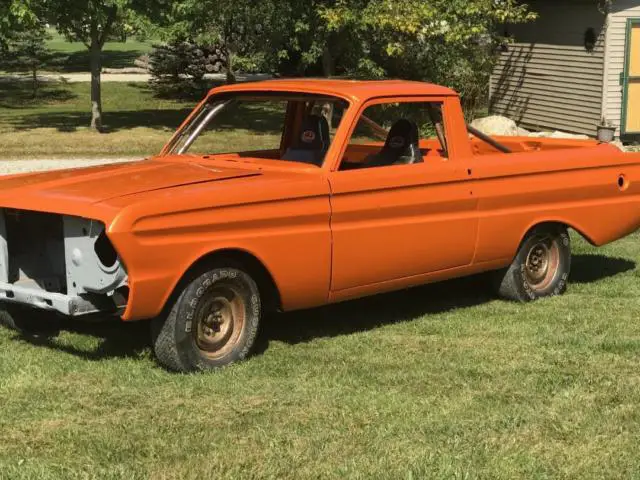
(577, 187)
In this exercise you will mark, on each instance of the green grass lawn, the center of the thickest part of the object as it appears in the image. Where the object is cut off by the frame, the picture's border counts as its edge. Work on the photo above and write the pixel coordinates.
(55, 124)
(442, 381)
(137, 123)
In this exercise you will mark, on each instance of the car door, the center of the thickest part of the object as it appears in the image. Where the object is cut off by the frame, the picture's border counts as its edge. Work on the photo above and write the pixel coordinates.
(395, 221)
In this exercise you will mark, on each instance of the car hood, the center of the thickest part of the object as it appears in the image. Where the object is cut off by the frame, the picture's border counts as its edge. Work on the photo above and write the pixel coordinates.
(56, 191)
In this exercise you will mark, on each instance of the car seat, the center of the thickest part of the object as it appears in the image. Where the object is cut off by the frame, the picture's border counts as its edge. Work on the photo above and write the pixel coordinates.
(313, 142)
(401, 147)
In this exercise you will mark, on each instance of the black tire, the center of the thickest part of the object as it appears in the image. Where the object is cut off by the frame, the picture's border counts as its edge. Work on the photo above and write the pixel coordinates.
(212, 323)
(540, 268)
(29, 320)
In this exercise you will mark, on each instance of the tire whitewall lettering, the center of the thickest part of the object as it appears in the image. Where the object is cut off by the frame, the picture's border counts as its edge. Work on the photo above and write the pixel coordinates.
(540, 268)
(213, 322)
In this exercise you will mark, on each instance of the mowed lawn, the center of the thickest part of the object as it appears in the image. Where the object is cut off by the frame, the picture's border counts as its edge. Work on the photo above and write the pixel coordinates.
(56, 123)
(74, 56)
(137, 123)
(442, 381)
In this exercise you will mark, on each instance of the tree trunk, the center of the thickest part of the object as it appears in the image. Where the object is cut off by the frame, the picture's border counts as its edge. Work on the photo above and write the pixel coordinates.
(95, 51)
(231, 76)
(328, 63)
(34, 79)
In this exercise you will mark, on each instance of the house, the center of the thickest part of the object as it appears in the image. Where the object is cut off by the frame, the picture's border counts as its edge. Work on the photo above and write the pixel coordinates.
(578, 63)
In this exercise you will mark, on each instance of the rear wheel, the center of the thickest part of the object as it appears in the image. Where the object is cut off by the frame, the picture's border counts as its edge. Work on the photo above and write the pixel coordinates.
(541, 266)
(212, 323)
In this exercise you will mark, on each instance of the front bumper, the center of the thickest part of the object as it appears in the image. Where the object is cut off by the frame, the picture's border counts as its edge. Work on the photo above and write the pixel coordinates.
(68, 305)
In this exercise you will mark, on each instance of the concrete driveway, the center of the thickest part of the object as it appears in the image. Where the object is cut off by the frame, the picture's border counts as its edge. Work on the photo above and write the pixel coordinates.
(120, 77)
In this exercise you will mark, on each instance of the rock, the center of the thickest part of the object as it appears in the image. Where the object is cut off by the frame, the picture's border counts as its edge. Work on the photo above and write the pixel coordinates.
(540, 134)
(130, 70)
(496, 125)
(503, 126)
(618, 144)
(142, 62)
(573, 136)
(559, 134)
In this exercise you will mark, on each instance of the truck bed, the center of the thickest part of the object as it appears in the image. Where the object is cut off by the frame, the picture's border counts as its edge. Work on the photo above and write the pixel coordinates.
(529, 144)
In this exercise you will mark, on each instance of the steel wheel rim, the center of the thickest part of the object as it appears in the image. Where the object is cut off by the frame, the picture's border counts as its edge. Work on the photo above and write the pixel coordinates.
(220, 319)
(542, 262)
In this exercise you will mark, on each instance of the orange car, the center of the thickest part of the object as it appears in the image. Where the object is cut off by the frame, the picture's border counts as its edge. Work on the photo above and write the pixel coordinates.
(290, 194)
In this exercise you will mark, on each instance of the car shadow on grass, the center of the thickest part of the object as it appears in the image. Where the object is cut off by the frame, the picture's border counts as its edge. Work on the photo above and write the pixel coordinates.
(386, 309)
(589, 268)
(116, 339)
(131, 340)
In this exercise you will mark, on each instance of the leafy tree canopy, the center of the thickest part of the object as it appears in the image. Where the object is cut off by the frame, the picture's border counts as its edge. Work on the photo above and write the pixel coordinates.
(15, 16)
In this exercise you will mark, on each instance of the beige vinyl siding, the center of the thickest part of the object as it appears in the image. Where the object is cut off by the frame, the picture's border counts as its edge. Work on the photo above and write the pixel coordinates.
(547, 79)
(621, 10)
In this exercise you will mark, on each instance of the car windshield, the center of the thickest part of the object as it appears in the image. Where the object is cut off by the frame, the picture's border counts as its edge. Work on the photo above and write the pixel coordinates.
(290, 127)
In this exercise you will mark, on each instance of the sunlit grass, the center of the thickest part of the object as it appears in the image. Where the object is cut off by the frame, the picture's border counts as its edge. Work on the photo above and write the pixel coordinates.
(74, 56)
(136, 123)
(438, 382)
(56, 123)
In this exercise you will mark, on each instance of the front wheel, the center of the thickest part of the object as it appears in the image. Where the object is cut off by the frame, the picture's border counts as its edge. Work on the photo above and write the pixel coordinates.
(212, 323)
(540, 268)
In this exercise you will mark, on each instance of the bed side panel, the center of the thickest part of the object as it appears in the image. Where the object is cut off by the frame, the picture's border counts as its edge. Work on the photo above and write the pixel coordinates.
(596, 195)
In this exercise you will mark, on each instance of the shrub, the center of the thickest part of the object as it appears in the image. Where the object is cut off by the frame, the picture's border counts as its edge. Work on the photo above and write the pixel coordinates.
(179, 68)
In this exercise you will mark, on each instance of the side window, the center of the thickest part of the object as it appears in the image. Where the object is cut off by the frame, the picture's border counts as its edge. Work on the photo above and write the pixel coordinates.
(397, 134)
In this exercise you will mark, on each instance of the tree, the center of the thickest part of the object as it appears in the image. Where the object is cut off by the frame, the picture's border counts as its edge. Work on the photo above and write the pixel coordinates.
(27, 50)
(93, 22)
(178, 68)
(453, 42)
(325, 32)
(249, 31)
(15, 16)
(446, 41)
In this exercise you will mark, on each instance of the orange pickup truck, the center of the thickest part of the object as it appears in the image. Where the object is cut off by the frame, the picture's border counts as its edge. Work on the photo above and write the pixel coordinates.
(290, 194)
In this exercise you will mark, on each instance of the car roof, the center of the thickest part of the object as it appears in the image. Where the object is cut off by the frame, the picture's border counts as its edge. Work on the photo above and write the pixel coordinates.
(361, 90)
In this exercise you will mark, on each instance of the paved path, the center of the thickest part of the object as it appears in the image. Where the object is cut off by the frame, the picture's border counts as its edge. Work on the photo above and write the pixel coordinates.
(119, 77)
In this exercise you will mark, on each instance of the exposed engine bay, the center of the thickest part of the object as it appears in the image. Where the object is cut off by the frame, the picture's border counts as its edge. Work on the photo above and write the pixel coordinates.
(61, 263)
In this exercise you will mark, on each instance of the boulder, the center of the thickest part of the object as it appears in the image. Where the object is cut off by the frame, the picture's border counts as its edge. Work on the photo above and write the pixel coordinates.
(142, 62)
(559, 134)
(618, 144)
(497, 125)
(125, 71)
